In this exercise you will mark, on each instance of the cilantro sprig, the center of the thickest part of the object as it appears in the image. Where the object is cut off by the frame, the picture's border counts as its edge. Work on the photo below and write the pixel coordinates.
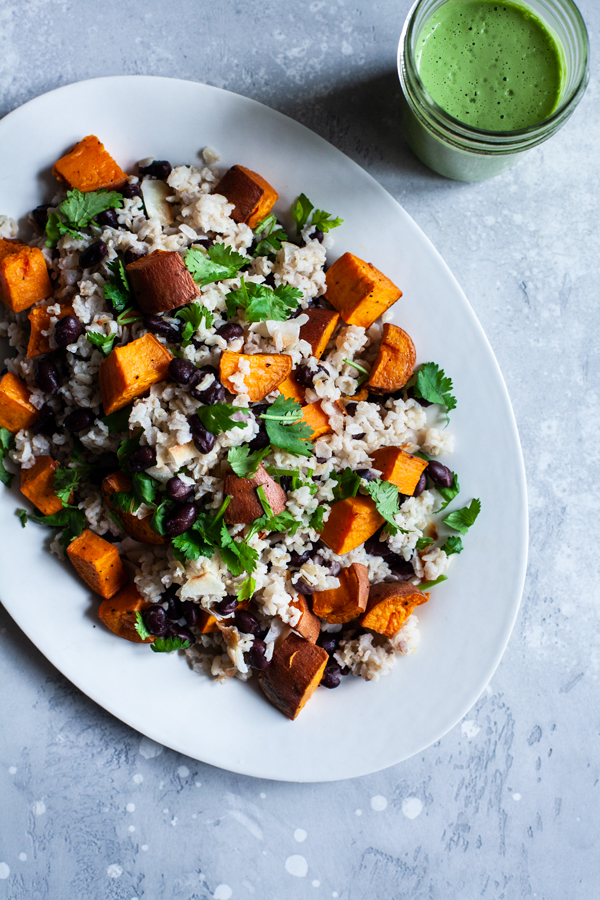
(7, 442)
(426, 585)
(168, 644)
(316, 520)
(219, 417)
(245, 463)
(140, 627)
(285, 427)
(386, 497)
(215, 264)
(66, 480)
(283, 521)
(434, 385)
(462, 519)
(246, 590)
(119, 420)
(322, 221)
(117, 292)
(103, 342)
(448, 493)
(272, 234)
(454, 544)
(261, 302)
(193, 315)
(77, 211)
(70, 519)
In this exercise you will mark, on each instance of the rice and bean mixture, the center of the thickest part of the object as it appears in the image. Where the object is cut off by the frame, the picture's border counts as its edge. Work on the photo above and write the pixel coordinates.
(252, 599)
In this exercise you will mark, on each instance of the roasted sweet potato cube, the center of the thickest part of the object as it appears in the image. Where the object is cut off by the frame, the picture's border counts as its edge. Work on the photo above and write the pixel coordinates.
(207, 624)
(319, 328)
(400, 468)
(160, 282)
(359, 291)
(314, 416)
(308, 625)
(88, 167)
(267, 371)
(395, 361)
(351, 522)
(390, 605)
(16, 411)
(294, 674)
(24, 278)
(39, 319)
(139, 529)
(37, 484)
(245, 505)
(129, 371)
(290, 389)
(346, 602)
(98, 562)
(119, 614)
(254, 198)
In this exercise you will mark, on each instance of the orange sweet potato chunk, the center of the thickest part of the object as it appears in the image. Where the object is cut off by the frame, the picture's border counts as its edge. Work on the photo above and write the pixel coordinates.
(319, 328)
(400, 468)
(315, 418)
(98, 562)
(88, 167)
(291, 390)
(351, 522)
(39, 319)
(346, 602)
(24, 278)
(37, 484)
(267, 372)
(308, 626)
(390, 605)
(129, 371)
(359, 291)
(395, 361)
(16, 411)
(160, 282)
(118, 613)
(254, 198)
(294, 674)
(139, 529)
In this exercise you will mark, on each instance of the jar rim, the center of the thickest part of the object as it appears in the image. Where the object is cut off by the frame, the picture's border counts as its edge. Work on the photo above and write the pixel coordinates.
(405, 62)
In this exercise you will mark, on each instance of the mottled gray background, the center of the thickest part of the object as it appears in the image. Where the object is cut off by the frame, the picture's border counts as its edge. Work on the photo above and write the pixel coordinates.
(506, 805)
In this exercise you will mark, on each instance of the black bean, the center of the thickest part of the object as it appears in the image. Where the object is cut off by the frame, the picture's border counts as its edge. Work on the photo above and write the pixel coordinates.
(376, 547)
(45, 422)
(182, 518)
(256, 655)
(157, 325)
(160, 168)
(421, 484)
(303, 587)
(411, 393)
(332, 675)
(229, 331)
(261, 440)
(400, 567)
(131, 256)
(108, 217)
(46, 376)
(191, 611)
(247, 623)
(205, 242)
(155, 619)
(141, 459)
(365, 473)
(40, 215)
(305, 376)
(298, 559)
(214, 393)
(359, 437)
(181, 632)
(130, 191)
(204, 440)
(317, 235)
(67, 330)
(183, 372)
(328, 642)
(93, 254)
(320, 459)
(439, 474)
(286, 482)
(351, 408)
(177, 490)
(335, 568)
(226, 606)
(78, 420)
(270, 280)
(175, 605)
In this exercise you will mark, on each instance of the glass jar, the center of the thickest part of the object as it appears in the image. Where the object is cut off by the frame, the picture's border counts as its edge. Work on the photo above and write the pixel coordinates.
(459, 151)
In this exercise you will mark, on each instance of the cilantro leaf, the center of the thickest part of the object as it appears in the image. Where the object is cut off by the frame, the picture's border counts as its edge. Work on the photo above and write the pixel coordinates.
(301, 210)
(285, 427)
(192, 544)
(140, 627)
(283, 521)
(385, 494)
(246, 590)
(424, 542)
(462, 519)
(448, 493)
(323, 222)
(22, 514)
(218, 263)
(119, 420)
(348, 483)
(55, 228)
(316, 520)
(168, 644)
(261, 302)
(454, 544)
(71, 519)
(7, 441)
(124, 501)
(237, 556)
(66, 480)
(243, 462)
(103, 342)
(434, 385)
(260, 490)
(117, 292)
(79, 209)
(159, 516)
(425, 585)
(272, 236)
(218, 417)
(193, 315)
(143, 487)
(126, 448)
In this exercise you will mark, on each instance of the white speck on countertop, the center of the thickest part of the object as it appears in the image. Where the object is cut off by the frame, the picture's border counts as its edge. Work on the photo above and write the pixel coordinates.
(39, 808)
(222, 892)
(130, 807)
(150, 749)
(470, 729)
(316, 883)
(12, 770)
(114, 871)
(131, 828)
(138, 778)
(378, 803)
(516, 796)
(358, 812)
(300, 835)
(296, 865)
(412, 807)
(23, 857)
(4, 870)
(183, 771)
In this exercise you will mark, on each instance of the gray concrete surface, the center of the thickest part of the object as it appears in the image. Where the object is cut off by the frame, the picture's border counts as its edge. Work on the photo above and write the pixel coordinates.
(506, 805)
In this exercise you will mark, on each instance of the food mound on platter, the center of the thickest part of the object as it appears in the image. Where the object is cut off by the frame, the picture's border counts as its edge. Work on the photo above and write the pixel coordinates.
(233, 444)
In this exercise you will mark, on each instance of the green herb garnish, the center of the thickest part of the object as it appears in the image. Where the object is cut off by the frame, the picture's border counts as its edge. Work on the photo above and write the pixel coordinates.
(219, 417)
(66, 480)
(244, 463)
(434, 385)
(168, 644)
(261, 302)
(316, 520)
(272, 236)
(453, 545)
(193, 315)
(117, 291)
(7, 442)
(301, 210)
(285, 427)
(140, 627)
(425, 585)
(386, 497)
(216, 264)
(462, 519)
(103, 342)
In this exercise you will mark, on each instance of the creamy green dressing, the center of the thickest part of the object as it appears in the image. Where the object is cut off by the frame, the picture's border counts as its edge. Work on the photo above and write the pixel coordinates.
(494, 66)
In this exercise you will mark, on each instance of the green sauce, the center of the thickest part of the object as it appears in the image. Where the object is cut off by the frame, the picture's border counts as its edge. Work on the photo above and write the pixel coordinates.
(494, 66)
